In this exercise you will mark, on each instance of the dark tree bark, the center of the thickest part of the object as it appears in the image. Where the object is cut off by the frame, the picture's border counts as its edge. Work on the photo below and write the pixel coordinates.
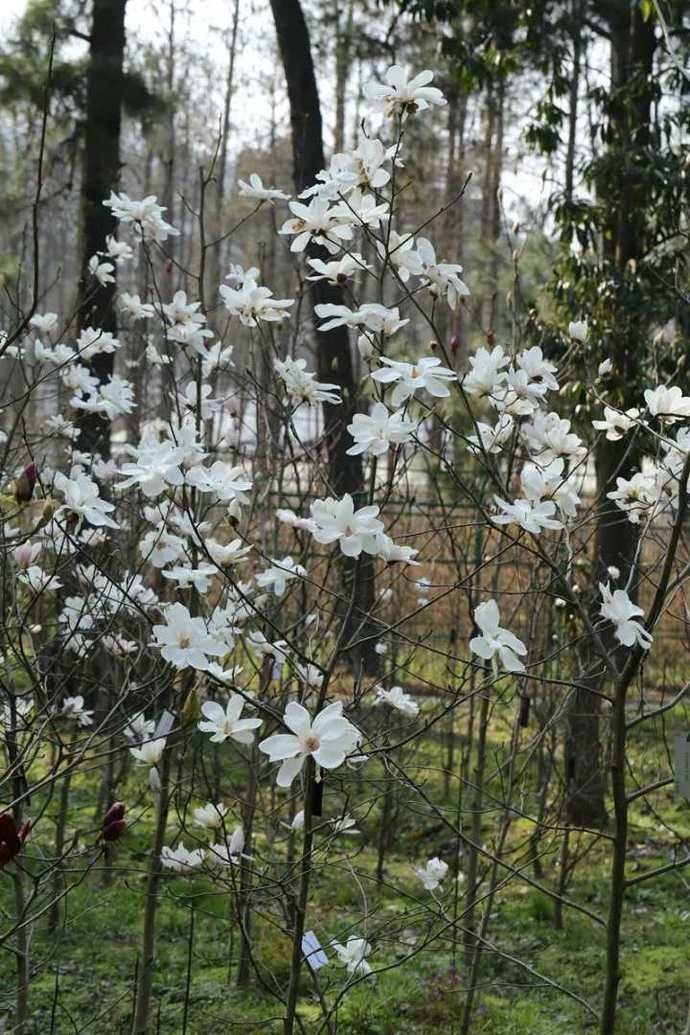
(334, 358)
(101, 171)
(624, 243)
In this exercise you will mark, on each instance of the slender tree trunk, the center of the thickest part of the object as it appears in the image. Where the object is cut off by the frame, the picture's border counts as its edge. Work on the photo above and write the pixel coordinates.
(496, 211)
(334, 358)
(624, 197)
(140, 1025)
(576, 33)
(222, 160)
(343, 54)
(60, 829)
(100, 175)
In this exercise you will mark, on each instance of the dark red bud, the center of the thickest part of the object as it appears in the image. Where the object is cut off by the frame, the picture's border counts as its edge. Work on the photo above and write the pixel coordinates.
(491, 338)
(454, 343)
(25, 484)
(168, 266)
(114, 822)
(11, 839)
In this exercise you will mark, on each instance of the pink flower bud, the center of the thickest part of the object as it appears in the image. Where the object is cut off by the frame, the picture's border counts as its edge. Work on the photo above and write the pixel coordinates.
(26, 554)
(114, 822)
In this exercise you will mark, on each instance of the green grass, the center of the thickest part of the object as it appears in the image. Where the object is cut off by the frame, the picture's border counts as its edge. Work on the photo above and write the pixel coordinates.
(83, 978)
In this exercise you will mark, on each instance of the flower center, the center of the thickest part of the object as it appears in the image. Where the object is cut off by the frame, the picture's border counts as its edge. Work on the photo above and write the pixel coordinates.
(184, 642)
(311, 743)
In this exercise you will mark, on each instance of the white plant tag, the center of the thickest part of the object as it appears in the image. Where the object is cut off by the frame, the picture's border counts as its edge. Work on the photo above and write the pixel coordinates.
(165, 724)
(681, 755)
(313, 953)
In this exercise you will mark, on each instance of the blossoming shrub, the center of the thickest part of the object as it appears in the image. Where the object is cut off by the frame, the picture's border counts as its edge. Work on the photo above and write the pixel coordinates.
(175, 620)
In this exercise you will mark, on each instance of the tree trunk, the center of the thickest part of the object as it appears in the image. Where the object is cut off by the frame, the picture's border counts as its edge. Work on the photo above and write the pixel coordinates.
(100, 175)
(343, 54)
(334, 358)
(629, 132)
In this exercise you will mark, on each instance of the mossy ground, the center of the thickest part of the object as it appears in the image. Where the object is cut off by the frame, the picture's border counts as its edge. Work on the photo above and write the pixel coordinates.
(83, 977)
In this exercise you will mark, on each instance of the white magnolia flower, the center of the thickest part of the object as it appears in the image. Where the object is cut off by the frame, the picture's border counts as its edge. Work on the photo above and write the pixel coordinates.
(372, 316)
(374, 433)
(337, 271)
(181, 859)
(226, 482)
(549, 436)
(400, 253)
(224, 723)
(432, 873)
(298, 821)
(102, 271)
(492, 439)
(362, 209)
(329, 739)
(353, 954)
(409, 378)
(578, 329)
(94, 341)
(57, 425)
(301, 384)
(604, 368)
(229, 853)
(139, 728)
(487, 372)
(44, 323)
(398, 699)
(146, 215)
(619, 609)
(338, 521)
(532, 516)
(159, 547)
(616, 424)
(495, 640)
(255, 189)
(637, 496)
(252, 302)
(538, 369)
(279, 574)
(399, 95)
(346, 824)
(73, 708)
(82, 497)
(156, 466)
(210, 816)
(149, 752)
(391, 552)
(119, 251)
(550, 482)
(185, 641)
(38, 580)
(441, 278)
(318, 223)
(133, 306)
(226, 554)
(200, 578)
(668, 404)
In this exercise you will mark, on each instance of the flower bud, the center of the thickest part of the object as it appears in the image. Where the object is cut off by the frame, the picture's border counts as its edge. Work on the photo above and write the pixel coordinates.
(26, 554)
(25, 484)
(11, 838)
(114, 822)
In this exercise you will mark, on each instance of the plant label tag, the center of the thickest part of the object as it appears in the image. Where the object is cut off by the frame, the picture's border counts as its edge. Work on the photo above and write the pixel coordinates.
(681, 755)
(313, 953)
(165, 724)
